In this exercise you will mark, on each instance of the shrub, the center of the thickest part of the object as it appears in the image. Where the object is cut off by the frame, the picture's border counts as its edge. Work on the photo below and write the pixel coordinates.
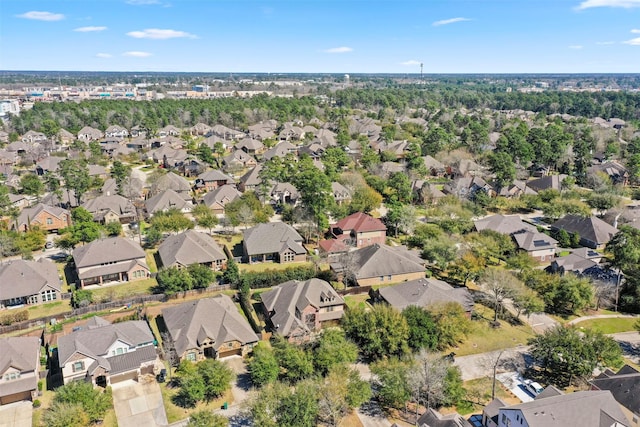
(36, 403)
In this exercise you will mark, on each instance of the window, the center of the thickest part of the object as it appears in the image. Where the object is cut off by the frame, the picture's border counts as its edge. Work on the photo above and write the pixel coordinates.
(12, 376)
(49, 221)
(191, 356)
(389, 277)
(78, 366)
(48, 295)
(119, 350)
(382, 278)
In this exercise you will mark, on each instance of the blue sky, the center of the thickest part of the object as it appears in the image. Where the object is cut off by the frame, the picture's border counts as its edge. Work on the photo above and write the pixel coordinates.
(322, 36)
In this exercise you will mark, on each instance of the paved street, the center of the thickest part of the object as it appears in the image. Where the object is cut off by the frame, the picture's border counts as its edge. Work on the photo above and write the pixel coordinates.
(139, 404)
(481, 365)
(17, 414)
(630, 343)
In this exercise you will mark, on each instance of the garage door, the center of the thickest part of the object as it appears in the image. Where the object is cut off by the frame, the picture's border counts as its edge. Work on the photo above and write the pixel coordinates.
(17, 397)
(123, 377)
(234, 352)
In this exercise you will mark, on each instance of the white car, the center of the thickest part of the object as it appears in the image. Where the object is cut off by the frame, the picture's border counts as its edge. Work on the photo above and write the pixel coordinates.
(532, 387)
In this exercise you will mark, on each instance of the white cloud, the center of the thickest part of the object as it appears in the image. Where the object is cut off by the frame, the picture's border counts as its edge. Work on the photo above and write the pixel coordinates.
(450, 21)
(42, 16)
(587, 4)
(342, 49)
(635, 31)
(137, 54)
(605, 43)
(89, 29)
(633, 42)
(103, 55)
(575, 46)
(158, 34)
(411, 62)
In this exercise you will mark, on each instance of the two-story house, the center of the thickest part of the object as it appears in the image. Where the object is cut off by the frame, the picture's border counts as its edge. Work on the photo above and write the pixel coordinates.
(360, 230)
(106, 353)
(28, 282)
(47, 218)
(19, 369)
(212, 179)
(296, 309)
(108, 260)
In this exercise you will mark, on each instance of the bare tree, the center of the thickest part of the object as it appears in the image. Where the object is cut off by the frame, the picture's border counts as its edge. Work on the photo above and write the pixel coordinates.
(427, 383)
(498, 285)
(246, 216)
(169, 351)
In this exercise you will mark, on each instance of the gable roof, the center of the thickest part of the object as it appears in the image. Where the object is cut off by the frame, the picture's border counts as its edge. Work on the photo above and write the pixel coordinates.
(166, 199)
(214, 318)
(250, 144)
(505, 224)
(425, 292)
(215, 175)
(280, 150)
(94, 342)
(382, 260)
(624, 385)
(190, 247)
(221, 195)
(592, 228)
(22, 278)
(285, 299)
(270, 238)
(252, 177)
(29, 214)
(582, 408)
(111, 202)
(534, 241)
(21, 353)
(433, 418)
(103, 251)
(360, 223)
(549, 182)
(173, 182)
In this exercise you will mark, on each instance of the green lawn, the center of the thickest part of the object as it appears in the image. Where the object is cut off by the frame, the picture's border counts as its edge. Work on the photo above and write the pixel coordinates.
(176, 413)
(262, 266)
(360, 301)
(483, 338)
(151, 260)
(124, 290)
(49, 309)
(479, 390)
(610, 326)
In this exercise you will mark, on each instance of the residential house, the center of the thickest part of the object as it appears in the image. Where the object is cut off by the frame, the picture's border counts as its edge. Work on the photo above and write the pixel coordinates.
(209, 327)
(238, 159)
(251, 180)
(88, 134)
(594, 233)
(624, 385)
(19, 201)
(48, 164)
(617, 173)
(340, 193)
(200, 129)
(4, 136)
(165, 200)
(115, 131)
(581, 408)
(326, 138)
(504, 224)
(111, 259)
(360, 230)
(212, 179)
(433, 418)
(434, 167)
(65, 137)
(191, 247)
(263, 130)
(251, 146)
(333, 248)
(111, 207)
(226, 133)
(217, 199)
(313, 150)
(171, 181)
(377, 264)
(169, 157)
(19, 369)
(28, 282)
(97, 171)
(284, 192)
(516, 189)
(47, 218)
(466, 187)
(280, 150)
(491, 412)
(139, 144)
(426, 192)
(539, 246)
(106, 354)
(32, 136)
(273, 241)
(388, 168)
(296, 309)
(424, 292)
(290, 132)
(168, 130)
(549, 182)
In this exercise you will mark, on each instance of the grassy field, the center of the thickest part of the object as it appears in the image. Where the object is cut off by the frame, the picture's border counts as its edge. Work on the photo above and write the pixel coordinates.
(610, 326)
(151, 260)
(479, 391)
(124, 290)
(360, 301)
(176, 413)
(49, 309)
(262, 266)
(484, 338)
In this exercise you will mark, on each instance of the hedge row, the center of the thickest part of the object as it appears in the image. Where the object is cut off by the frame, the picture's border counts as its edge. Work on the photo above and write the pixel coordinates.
(13, 317)
(268, 278)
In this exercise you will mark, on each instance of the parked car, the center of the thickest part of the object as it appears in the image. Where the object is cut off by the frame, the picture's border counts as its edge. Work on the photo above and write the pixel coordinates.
(532, 387)
(48, 245)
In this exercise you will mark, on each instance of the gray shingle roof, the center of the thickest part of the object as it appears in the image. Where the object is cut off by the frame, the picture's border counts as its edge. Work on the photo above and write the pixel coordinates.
(22, 278)
(534, 241)
(433, 418)
(173, 182)
(221, 195)
(382, 260)
(582, 408)
(29, 214)
(215, 318)
(96, 341)
(283, 301)
(625, 387)
(592, 228)
(425, 292)
(270, 237)
(252, 177)
(21, 353)
(114, 202)
(112, 249)
(215, 175)
(189, 247)
(165, 200)
(505, 224)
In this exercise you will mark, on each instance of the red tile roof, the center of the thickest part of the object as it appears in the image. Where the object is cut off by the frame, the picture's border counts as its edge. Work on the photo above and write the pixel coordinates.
(333, 246)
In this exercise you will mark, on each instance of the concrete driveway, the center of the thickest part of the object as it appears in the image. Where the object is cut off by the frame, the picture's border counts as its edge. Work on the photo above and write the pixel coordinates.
(139, 404)
(17, 414)
(481, 365)
(513, 382)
